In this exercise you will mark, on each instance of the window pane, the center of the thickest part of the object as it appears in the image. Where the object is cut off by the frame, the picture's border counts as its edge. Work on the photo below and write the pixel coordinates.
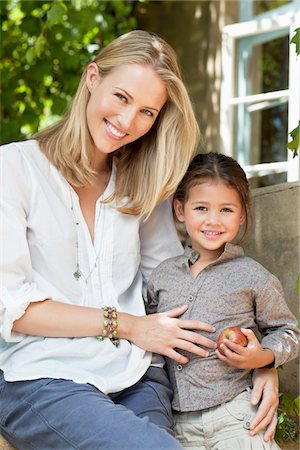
(275, 65)
(269, 130)
(274, 131)
(261, 6)
(268, 68)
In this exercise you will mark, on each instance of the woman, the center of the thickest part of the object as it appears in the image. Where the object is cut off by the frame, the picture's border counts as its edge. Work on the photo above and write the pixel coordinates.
(85, 220)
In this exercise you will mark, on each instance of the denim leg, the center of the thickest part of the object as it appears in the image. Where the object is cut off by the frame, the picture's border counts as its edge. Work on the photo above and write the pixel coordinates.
(62, 415)
(151, 397)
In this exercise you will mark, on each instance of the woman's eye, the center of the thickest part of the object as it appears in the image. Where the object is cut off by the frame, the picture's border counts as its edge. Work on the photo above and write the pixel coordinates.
(147, 112)
(121, 97)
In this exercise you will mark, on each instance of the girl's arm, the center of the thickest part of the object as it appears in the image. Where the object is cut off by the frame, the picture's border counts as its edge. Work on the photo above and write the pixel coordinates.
(254, 356)
(278, 328)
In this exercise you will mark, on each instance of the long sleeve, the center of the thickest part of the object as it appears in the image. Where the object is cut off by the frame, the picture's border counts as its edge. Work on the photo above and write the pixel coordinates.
(276, 323)
(17, 288)
(152, 299)
(159, 239)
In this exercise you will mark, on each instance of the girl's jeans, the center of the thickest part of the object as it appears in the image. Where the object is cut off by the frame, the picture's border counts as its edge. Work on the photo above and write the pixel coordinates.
(223, 427)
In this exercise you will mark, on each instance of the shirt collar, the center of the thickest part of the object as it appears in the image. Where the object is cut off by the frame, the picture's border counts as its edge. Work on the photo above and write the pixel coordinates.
(230, 251)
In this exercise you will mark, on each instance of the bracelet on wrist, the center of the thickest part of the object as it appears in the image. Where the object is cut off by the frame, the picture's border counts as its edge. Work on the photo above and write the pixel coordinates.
(110, 325)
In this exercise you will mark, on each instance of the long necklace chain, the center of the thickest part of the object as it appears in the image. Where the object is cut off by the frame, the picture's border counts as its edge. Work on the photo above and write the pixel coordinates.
(78, 272)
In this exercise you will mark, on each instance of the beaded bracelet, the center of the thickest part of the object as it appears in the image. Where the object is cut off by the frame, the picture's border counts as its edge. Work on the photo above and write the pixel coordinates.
(110, 325)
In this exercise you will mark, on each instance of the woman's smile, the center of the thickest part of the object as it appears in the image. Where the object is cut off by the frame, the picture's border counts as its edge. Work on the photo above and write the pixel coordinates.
(113, 131)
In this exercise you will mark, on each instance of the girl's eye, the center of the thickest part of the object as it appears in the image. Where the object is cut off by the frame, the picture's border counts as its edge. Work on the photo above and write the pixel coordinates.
(226, 210)
(121, 97)
(201, 208)
(147, 112)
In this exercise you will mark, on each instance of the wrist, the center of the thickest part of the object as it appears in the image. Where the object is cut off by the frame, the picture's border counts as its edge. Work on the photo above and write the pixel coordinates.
(126, 326)
(270, 359)
(267, 359)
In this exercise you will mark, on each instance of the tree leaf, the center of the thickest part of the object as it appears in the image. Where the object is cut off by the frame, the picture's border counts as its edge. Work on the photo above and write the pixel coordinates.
(40, 45)
(30, 55)
(296, 40)
(56, 14)
(297, 406)
(294, 144)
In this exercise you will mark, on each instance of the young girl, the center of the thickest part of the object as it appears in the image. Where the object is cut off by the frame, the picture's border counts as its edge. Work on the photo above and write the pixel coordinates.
(76, 251)
(222, 287)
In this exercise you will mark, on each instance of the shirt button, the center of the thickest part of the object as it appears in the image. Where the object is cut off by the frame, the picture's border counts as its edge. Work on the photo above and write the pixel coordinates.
(190, 298)
(179, 367)
(194, 254)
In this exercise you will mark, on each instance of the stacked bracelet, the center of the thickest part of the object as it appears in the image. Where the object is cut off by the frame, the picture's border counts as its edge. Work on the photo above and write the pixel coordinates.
(110, 325)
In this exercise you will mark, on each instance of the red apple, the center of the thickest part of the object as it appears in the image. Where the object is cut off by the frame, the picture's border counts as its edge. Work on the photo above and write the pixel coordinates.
(233, 334)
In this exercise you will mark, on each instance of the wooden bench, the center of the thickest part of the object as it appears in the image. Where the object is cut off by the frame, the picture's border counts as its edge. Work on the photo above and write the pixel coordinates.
(4, 445)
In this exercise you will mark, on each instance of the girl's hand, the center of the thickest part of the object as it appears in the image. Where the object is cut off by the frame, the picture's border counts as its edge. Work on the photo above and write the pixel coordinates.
(251, 357)
(163, 333)
(265, 388)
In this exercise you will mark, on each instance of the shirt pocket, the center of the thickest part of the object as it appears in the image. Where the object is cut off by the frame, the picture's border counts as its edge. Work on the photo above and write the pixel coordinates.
(240, 407)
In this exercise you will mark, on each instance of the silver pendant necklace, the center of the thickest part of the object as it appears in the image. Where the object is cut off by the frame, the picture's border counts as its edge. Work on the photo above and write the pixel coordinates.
(78, 272)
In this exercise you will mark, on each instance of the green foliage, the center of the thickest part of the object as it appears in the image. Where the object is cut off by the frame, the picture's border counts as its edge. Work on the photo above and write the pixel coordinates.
(298, 289)
(267, 5)
(294, 144)
(45, 45)
(296, 40)
(288, 418)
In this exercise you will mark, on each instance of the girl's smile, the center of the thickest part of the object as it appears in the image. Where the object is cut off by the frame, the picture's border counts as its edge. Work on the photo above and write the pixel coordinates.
(212, 214)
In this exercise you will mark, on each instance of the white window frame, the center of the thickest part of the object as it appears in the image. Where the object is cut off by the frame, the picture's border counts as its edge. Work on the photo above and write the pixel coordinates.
(261, 28)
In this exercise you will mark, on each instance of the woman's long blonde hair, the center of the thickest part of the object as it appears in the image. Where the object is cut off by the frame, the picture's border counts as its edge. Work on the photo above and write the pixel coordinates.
(150, 168)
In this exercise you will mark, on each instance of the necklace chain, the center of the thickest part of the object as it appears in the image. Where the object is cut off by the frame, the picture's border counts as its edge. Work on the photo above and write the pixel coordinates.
(78, 272)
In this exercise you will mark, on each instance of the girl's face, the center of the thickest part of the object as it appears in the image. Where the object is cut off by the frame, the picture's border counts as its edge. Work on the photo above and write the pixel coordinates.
(123, 105)
(212, 214)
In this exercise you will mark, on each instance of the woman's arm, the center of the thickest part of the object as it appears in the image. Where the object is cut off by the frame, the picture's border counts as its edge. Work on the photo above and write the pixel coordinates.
(163, 332)
(265, 389)
(50, 318)
(159, 333)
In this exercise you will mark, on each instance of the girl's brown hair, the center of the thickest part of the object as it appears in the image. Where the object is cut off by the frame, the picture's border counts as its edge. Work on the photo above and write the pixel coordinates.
(217, 167)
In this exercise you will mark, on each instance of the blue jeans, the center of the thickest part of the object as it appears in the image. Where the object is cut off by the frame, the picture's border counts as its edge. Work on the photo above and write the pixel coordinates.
(62, 415)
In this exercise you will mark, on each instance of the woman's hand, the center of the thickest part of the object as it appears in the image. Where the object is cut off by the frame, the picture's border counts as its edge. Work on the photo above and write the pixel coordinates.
(253, 356)
(163, 333)
(265, 388)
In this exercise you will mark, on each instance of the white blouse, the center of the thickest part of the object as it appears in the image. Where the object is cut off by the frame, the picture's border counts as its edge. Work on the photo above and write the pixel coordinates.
(40, 248)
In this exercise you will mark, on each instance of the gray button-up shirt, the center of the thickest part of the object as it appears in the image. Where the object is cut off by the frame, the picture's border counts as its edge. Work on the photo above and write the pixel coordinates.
(236, 291)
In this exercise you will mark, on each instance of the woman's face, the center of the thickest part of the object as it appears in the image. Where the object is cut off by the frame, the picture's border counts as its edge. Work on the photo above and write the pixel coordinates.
(123, 105)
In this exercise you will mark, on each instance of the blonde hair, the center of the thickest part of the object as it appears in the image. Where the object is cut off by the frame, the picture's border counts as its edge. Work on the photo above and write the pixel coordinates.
(150, 168)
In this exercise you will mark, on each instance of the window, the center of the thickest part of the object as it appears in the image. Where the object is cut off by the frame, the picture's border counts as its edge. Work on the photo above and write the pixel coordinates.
(260, 90)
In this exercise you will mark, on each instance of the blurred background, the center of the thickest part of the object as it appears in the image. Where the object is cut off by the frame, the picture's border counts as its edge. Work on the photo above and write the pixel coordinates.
(238, 61)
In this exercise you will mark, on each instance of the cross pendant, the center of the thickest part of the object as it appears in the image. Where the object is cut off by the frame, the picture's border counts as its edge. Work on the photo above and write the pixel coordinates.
(77, 274)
